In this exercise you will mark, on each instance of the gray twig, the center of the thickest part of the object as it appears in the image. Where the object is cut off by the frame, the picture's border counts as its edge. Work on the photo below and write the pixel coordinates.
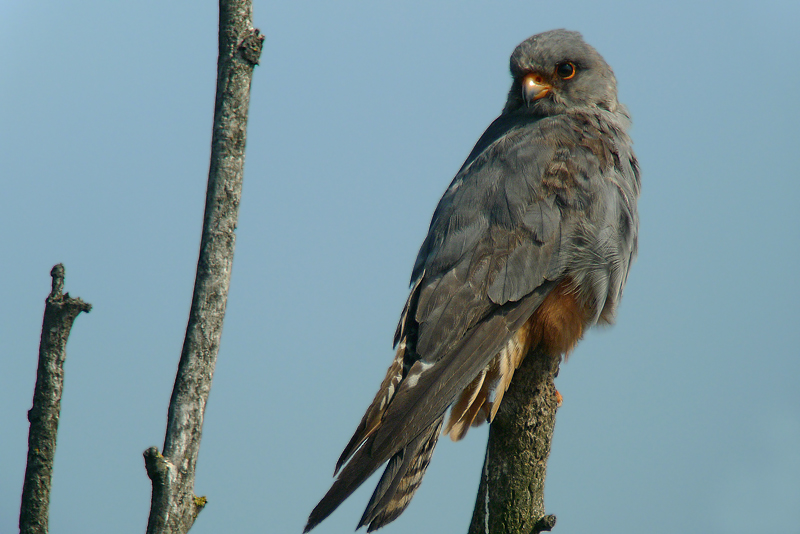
(60, 312)
(174, 506)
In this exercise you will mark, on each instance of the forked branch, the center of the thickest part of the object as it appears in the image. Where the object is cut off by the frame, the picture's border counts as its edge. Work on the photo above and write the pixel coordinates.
(60, 312)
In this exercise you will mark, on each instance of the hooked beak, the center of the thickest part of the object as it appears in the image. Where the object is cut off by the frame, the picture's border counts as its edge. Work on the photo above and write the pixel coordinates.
(534, 88)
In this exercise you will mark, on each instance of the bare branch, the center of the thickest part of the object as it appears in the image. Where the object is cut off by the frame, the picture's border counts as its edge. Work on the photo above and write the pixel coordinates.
(511, 493)
(60, 312)
(174, 506)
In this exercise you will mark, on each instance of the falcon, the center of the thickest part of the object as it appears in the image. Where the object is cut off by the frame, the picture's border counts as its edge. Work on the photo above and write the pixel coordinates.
(529, 247)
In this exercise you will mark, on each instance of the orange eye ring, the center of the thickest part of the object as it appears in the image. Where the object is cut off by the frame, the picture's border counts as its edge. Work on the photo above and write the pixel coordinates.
(566, 70)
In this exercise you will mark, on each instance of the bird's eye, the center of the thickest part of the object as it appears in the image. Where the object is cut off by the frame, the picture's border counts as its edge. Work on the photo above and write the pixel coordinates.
(565, 70)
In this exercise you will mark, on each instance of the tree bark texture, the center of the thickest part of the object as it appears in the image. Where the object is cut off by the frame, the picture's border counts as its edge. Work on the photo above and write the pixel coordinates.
(511, 492)
(60, 312)
(174, 506)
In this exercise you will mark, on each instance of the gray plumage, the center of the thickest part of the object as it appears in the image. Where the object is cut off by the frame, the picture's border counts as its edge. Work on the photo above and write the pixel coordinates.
(547, 197)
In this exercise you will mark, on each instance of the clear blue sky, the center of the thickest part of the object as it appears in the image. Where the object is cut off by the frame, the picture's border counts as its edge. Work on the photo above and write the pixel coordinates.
(686, 415)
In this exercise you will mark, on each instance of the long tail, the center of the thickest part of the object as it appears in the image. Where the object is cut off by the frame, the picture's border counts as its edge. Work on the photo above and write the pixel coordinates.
(399, 482)
(401, 479)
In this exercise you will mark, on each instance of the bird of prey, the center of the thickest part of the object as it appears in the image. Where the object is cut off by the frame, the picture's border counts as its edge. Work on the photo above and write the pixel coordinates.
(529, 246)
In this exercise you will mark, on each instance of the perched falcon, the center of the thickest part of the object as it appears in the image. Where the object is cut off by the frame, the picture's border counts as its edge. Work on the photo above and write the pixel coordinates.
(529, 246)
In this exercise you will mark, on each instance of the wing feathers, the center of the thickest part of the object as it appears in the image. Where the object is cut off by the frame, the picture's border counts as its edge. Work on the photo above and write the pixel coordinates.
(372, 418)
(465, 401)
(460, 426)
(357, 470)
(474, 406)
(509, 361)
(415, 407)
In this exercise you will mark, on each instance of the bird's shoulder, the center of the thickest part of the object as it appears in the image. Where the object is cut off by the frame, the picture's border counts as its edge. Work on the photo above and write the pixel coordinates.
(522, 175)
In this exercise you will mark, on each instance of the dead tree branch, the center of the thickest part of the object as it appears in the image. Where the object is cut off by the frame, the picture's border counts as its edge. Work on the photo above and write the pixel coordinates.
(174, 505)
(511, 493)
(60, 312)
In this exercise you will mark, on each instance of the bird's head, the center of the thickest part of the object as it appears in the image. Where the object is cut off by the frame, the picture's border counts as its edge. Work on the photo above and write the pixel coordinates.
(555, 72)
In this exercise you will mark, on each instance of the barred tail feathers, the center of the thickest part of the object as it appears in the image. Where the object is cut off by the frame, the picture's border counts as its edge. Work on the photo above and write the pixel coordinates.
(401, 479)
